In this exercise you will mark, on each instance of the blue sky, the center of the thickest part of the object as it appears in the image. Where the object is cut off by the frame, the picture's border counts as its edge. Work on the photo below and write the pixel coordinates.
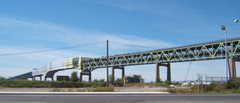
(31, 25)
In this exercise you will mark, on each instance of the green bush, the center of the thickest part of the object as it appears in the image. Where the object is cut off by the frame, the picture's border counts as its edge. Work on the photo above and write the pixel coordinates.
(78, 85)
(66, 84)
(2, 78)
(168, 82)
(172, 90)
(233, 84)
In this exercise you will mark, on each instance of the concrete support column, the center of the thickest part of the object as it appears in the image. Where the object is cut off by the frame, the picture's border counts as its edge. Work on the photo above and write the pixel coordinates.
(89, 76)
(52, 78)
(168, 71)
(118, 67)
(40, 78)
(85, 73)
(33, 78)
(232, 69)
(157, 72)
(80, 77)
(112, 79)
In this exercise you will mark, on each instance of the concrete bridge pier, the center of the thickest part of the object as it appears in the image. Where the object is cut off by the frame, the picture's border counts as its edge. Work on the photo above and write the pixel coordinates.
(232, 69)
(85, 73)
(40, 78)
(168, 71)
(117, 67)
(33, 78)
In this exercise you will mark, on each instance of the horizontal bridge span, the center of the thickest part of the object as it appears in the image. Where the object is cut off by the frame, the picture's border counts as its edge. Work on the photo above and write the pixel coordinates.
(204, 51)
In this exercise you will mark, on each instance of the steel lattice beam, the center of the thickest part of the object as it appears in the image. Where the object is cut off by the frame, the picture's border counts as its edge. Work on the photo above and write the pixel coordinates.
(205, 51)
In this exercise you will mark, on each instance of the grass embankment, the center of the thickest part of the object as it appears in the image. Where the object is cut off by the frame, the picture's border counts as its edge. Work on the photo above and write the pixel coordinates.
(231, 87)
(97, 89)
(151, 85)
(83, 87)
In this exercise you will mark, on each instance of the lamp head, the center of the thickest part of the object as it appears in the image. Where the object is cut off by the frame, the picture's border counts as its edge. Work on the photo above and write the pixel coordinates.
(236, 20)
(223, 27)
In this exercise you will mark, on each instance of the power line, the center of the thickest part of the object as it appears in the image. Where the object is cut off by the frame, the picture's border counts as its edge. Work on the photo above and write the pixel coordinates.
(51, 49)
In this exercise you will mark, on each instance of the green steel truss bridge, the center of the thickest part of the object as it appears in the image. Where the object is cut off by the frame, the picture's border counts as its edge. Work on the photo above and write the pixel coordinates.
(160, 57)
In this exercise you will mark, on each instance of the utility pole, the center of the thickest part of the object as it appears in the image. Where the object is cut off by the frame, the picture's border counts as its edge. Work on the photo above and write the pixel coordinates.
(107, 64)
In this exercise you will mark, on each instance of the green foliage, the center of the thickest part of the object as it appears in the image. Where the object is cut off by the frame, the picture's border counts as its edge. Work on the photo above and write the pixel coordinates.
(110, 79)
(103, 89)
(2, 78)
(24, 83)
(233, 84)
(159, 80)
(140, 79)
(74, 77)
(66, 84)
(95, 81)
(119, 80)
(65, 79)
(172, 90)
(145, 84)
(178, 90)
(168, 82)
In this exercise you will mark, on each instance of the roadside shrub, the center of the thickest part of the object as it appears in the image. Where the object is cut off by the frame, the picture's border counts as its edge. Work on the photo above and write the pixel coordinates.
(233, 84)
(103, 89)
(66, 84)
(78, 85)
(186, 90)
(89, 84)
(168, 82)
(2, 78)
(172, 90)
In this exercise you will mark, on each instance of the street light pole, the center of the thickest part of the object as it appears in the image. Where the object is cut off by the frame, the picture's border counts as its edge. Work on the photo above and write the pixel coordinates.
(226, 53)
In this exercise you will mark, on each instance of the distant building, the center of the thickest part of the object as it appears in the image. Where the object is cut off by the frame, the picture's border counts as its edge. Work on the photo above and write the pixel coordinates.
(132, 79)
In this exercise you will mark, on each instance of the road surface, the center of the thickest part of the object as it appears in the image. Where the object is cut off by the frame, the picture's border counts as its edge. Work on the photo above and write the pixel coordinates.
(170, 98)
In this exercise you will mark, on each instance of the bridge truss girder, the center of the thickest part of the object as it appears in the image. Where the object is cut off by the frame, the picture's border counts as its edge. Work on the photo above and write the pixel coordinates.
(205, 51)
